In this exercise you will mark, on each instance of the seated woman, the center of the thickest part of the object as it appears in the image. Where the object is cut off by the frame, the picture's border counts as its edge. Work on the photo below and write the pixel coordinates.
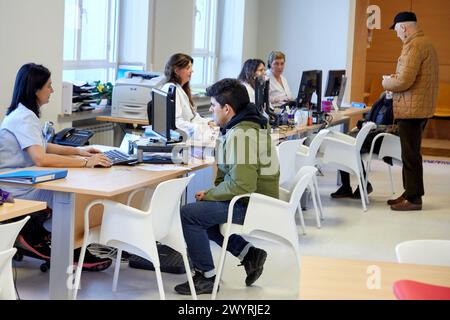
(22, 144)
(178, 72)
(279, 93)
(251, 69)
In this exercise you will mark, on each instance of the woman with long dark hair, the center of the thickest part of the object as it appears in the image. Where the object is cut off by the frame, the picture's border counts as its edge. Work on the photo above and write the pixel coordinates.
(22, 144)
(251, 69)
(178, 72)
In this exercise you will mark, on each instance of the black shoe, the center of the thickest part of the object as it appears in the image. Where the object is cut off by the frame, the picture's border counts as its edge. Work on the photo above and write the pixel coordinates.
(342, 192)
(92, 262)
(202, 285)
(357, 194)
(253, 263)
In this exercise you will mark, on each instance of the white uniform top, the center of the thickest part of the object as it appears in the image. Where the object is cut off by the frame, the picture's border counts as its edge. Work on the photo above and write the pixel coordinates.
(250, 90)
(186, 118)
(20, 130)
(278, 93)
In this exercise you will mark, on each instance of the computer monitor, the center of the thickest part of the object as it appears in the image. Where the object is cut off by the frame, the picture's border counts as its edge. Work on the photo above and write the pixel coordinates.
(311, 82)
(162, 115)
(124, 68)
(334, 83)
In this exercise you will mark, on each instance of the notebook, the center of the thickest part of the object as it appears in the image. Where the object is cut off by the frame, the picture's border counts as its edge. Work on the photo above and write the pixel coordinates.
(33, 176)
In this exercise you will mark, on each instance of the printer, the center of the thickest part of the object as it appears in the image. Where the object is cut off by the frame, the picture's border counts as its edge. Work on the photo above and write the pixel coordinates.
(132, 94)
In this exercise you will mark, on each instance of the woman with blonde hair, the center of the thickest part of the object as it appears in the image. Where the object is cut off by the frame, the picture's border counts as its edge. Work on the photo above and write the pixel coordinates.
(178, 72)
(279, 93)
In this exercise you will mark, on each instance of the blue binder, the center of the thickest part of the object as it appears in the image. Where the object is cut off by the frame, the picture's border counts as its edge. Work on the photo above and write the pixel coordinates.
(33, 176)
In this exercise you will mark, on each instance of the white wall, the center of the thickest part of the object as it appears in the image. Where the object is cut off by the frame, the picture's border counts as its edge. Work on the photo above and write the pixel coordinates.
(250, 49)
(31, 31)
(312, 34)
(172, 30)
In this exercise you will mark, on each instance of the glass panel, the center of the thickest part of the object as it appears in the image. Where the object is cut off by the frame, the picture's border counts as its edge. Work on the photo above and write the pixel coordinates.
(199, 71)
(201, 20)
(71, 15)
(95, 26)
(86, 75)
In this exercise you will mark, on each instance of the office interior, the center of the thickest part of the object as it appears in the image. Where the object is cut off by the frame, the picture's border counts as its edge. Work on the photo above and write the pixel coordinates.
(322, 34)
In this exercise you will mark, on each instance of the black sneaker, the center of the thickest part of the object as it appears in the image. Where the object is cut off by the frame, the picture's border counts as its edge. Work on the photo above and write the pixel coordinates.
(253, 263)
(342, 192)
(357, 194)
(202, 285)
(91, 262)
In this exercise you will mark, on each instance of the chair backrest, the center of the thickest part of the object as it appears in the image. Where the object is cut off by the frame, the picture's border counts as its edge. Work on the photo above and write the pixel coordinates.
(362, 134)
(7, 291)
(430, 252)
(286, 154)
(9, 233)
(390, 147)
(162, 211)
(316, 142)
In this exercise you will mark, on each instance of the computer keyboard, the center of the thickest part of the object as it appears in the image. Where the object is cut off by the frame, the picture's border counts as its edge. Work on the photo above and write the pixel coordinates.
(118, 157)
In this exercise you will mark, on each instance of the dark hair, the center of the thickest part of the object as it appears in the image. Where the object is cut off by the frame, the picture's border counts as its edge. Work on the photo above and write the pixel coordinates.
(275, 55)
(30, 78)
(231, 92)
(248, 71)
(178, 61)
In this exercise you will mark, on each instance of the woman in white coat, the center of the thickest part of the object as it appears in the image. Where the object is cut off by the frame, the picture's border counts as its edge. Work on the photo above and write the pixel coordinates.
(280, 92)
(251, 69)
(178, 72)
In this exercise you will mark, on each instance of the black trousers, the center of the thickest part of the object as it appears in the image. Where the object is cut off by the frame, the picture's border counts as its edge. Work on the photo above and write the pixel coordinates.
(410, 132)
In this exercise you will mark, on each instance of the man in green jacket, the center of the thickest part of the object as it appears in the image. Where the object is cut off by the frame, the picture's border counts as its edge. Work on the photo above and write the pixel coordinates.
(247, 163)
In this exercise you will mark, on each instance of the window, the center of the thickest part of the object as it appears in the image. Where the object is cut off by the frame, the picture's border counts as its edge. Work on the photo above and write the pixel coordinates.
(205, 53)
(90, 40)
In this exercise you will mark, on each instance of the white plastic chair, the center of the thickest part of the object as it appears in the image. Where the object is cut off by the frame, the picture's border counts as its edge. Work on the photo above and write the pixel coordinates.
(7, 291)
(306, 156)
(390, 147)
(287, 153)
(429, 252)
(9, 232)
(137, 231)
(266, 218)
(343, 151)
(8, 235)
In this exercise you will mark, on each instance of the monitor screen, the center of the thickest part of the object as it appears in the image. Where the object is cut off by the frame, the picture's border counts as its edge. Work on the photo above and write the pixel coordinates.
(334, 82)
(311, 83)
(163, 112)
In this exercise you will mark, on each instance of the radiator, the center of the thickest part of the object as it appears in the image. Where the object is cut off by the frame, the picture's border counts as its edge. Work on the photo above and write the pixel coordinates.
(103, 134)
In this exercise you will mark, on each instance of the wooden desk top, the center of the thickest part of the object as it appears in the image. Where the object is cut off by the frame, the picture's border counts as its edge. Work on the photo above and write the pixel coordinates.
(339, 279)
(108, 182)
(123, 120)
(20, 208)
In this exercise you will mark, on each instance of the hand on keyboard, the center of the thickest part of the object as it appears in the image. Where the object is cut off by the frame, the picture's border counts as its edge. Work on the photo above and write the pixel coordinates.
(98, 159)
(118, 157)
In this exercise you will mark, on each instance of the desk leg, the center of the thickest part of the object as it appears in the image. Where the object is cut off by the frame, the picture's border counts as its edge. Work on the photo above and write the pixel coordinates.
(62, 246)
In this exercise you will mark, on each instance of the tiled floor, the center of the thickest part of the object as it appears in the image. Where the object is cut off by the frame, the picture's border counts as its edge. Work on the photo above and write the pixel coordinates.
(347, 232)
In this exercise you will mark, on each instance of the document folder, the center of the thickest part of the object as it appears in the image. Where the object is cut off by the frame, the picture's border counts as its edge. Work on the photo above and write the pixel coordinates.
(32, 177)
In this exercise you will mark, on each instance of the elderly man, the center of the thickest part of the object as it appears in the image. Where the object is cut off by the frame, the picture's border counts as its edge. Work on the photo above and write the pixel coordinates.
(415, 88)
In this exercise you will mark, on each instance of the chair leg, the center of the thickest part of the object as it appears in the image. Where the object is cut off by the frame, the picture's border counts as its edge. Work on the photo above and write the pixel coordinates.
(392, 181)
(79, 269)
(160, 283)
(362, 193)
(316, 184)
(302, 219)
(189, 276)
(117, 270)
(316, 208)
(221, 265)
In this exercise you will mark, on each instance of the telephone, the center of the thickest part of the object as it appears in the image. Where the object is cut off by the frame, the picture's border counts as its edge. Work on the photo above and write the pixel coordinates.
(72, 137)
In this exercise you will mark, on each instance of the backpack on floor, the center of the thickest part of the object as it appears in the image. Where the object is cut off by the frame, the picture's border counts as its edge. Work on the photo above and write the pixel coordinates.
(170, 260)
